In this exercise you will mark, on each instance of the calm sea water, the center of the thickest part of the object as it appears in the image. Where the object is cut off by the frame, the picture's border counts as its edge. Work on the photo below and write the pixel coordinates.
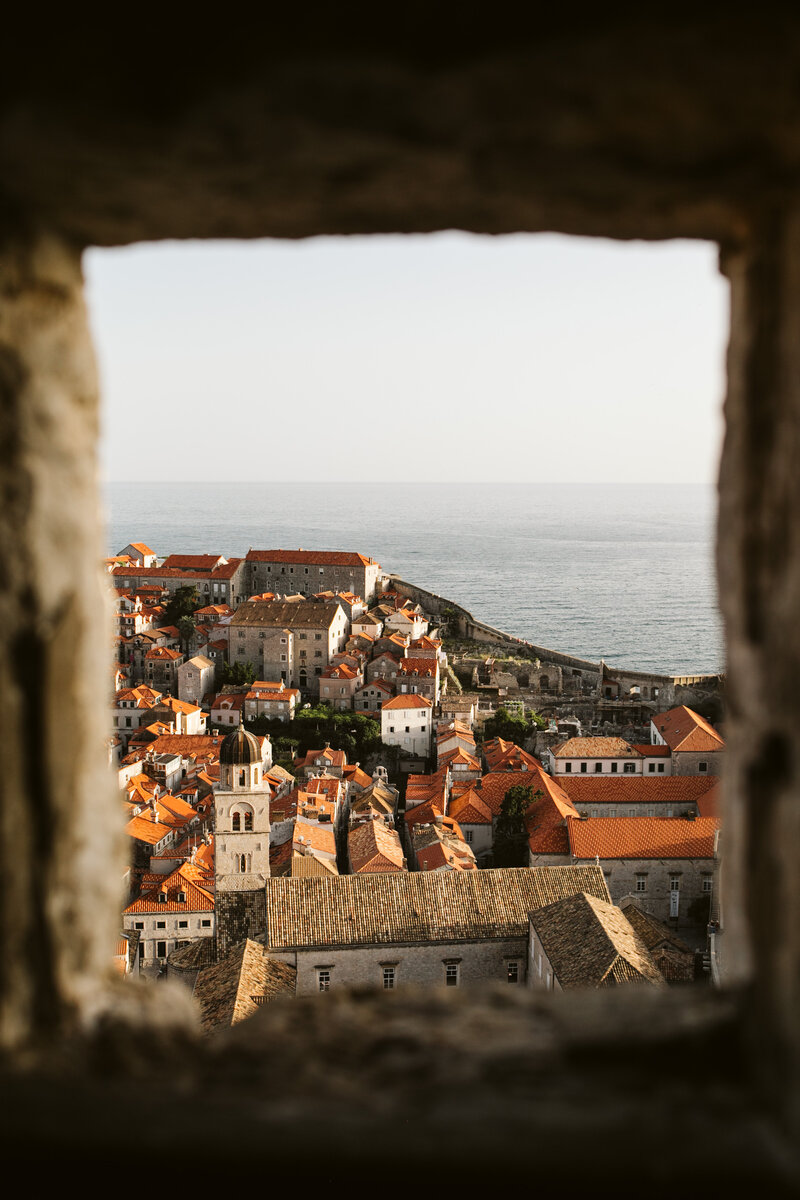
(622, 572)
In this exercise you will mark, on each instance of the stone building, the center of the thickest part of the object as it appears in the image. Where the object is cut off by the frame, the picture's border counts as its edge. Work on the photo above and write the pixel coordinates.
(582, 941)
(161, 666)
(695, 746)
(196, 678)
(177, 908)
(419, 676)
(638, 795)
(438, 929)
(311, 571)
(594, 756)
(665, 864)
(407, 722)
(292, 641)
(218, 581)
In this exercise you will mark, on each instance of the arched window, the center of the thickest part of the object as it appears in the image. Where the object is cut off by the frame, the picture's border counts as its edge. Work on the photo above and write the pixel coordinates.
(243, 864)
(242, 778)
(248, 822)
(235, 822)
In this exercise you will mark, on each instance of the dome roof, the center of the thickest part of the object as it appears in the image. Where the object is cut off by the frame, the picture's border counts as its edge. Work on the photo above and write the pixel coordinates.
(239, 748)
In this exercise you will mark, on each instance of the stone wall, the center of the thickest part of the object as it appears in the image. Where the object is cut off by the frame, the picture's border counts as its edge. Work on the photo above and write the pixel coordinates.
(415, 966)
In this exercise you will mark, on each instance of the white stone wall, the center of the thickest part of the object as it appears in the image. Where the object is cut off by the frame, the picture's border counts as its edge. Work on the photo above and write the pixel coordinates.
(622, 874)
(420, 966)
(170, 928)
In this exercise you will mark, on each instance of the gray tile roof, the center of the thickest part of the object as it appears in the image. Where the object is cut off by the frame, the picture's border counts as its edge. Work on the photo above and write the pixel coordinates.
(590, 943)
(235, 988)
(381, 909)
(294, 614)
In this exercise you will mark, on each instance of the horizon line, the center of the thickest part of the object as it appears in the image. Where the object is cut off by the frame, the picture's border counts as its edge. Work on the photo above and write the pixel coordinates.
(428, 482)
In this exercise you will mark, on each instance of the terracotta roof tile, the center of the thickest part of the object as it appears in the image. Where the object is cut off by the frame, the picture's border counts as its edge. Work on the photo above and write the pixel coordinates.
(685, 730)
(642, 837)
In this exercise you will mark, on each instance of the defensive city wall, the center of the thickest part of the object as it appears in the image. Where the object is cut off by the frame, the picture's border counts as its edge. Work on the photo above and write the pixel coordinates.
(665, 689)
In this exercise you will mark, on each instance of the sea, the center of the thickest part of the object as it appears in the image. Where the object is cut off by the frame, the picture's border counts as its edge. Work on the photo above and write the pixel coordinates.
(623, 572)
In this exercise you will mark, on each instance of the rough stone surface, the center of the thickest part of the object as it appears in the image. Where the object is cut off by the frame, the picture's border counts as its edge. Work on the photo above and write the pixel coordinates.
(623, 125)
(59, 819)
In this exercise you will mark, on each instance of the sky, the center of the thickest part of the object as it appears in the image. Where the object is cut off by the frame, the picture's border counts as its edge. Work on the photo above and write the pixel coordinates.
(444, 357)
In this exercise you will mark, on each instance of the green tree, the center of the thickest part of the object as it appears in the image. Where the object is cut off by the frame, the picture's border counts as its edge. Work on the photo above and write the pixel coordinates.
(182, 603)
(238, 674)
(186, 630)
(511, 837)
(503, 724)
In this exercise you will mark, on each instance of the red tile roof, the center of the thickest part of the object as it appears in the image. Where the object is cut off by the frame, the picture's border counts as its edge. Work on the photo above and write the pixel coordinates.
(192, 562)
(317, 558)
(685, 730)
(663, 790)
(374, 847)
(642, 837)
(412, 700)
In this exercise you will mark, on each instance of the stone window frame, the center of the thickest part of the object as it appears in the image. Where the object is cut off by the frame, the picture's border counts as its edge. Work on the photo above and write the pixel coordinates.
(759, 232)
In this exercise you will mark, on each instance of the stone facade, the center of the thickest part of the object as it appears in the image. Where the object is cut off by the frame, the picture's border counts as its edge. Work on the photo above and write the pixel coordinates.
(471, 964)
(286, 572)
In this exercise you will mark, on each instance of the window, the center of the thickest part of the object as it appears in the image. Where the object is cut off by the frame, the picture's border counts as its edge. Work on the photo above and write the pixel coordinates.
(317, 654)
(468, 836)
(614, 768)
(568, 768)
(598, 767)
(388, 978)
(512, 972)
(612, 812)
(451, 974)
(584, 768)
(323, 979)
(702, 767)
(661, 768)
(631, 812)
(139, 925)
(317, 637)
(707, 883)
(205, 924)
(161, 924)
(674, 883)
(248, 822)
(629, 768)
(651, 812)
(183, 924)
(303, 637)
(651, 768)
(161, 949)
(641, 883)
(594, 812)
(235, 822)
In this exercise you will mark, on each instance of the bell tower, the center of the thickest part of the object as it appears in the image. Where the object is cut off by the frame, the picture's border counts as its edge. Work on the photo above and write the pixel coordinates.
(241, 844)
(241, 808)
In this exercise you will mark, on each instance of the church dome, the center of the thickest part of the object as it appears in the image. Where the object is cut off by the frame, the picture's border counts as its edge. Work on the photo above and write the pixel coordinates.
(240, 748)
